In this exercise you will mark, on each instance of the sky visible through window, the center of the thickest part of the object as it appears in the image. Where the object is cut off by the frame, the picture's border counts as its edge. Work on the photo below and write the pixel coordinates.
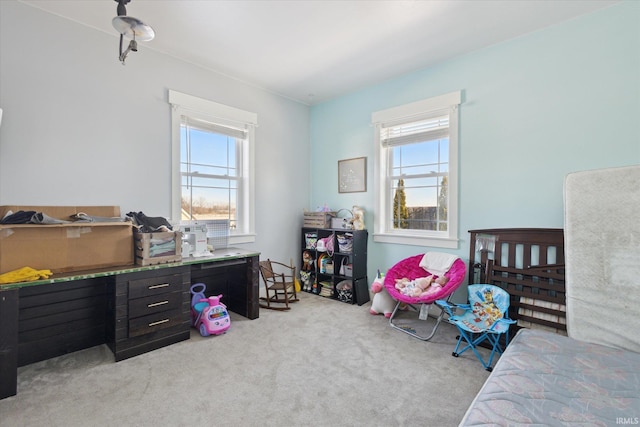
(214, 155)
(210, 160)
(413, 162)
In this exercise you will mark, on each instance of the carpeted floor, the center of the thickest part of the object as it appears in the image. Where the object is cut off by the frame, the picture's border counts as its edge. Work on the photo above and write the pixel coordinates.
(324, 363)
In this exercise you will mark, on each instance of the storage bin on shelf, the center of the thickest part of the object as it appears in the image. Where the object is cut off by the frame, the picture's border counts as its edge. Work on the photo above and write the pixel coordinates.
(345, 242)
(318, 219)
(345, 291)
(342, 222)
(158, 248)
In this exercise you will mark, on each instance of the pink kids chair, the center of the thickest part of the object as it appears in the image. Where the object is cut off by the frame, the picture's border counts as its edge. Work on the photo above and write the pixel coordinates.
(420, 266)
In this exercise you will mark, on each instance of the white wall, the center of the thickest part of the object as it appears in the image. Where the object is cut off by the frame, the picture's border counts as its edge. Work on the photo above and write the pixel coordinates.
(535, 108)
(81, 129)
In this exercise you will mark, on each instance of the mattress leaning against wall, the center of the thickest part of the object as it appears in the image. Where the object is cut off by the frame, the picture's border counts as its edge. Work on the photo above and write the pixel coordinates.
(602, 242)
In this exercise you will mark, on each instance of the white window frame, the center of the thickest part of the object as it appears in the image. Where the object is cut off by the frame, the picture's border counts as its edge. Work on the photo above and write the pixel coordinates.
(213, 112)
(383, 229)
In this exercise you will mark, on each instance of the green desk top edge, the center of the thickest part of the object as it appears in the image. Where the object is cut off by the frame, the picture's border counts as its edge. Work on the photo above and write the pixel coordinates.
(217, 255)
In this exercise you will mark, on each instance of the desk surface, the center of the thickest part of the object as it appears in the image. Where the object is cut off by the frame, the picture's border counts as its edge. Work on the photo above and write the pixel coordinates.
(217, 255)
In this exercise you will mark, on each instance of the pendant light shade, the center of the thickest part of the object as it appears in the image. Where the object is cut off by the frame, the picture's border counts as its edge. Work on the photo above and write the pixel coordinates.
(132, 28)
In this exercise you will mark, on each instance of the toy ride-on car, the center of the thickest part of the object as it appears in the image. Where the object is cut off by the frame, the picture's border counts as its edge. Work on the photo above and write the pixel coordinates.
(209, 315)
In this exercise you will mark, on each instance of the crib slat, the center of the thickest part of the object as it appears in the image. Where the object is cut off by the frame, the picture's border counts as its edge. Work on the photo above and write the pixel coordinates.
(529, 264)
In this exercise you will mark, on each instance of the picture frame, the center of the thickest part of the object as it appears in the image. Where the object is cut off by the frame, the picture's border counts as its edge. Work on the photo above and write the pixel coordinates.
(352, 175)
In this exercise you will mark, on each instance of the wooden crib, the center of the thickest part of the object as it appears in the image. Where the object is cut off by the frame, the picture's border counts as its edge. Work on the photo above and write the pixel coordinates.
(529, 264)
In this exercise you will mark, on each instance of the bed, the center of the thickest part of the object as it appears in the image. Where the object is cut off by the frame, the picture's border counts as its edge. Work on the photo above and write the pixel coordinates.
(575, 359)
(545, 378)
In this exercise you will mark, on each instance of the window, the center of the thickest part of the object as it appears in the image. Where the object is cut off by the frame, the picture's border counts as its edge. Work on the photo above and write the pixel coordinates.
(212, 163)
(416, 173)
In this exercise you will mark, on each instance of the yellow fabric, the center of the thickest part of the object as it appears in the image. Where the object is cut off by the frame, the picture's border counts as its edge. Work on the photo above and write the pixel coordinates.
(297, 284)
(24, 274)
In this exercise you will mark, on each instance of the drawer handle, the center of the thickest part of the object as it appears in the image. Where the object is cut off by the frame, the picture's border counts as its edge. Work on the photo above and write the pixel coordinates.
(159, 322)
(164, 285)
(156, 304)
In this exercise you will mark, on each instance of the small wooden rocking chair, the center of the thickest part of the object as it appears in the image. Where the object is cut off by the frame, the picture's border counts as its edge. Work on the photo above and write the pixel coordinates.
(279, 281)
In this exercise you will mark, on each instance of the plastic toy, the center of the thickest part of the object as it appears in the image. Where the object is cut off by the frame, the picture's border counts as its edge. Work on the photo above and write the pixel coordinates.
(208, 315)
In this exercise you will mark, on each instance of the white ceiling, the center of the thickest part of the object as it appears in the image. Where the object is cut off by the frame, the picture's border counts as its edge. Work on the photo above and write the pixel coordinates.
(312, 51)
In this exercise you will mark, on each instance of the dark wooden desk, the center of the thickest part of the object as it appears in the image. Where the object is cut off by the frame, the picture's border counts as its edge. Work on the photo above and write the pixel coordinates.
(233, 273)
(67, 313)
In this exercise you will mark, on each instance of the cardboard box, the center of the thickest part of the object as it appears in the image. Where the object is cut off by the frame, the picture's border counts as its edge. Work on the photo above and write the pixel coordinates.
(65, 212)
(158, 248)
(68, 247)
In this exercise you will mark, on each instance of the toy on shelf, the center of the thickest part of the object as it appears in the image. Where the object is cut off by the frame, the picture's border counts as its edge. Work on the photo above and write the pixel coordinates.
(307, 261)
(208, 315)
(358, 218)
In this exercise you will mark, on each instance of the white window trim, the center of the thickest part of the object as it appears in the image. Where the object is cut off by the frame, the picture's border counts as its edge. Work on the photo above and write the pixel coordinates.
(183, 104)
(406, 112)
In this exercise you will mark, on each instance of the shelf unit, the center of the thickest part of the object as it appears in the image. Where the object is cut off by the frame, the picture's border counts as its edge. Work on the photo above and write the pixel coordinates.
(329, 282)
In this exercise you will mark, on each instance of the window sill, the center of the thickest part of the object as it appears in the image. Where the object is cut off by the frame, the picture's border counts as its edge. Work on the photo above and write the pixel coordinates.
(445, 243)
(241, 238)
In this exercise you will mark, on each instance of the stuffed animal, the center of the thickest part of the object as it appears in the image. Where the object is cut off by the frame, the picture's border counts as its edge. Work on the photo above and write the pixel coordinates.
(408, 287)
(431, 285)
(305, 278)
(382, 302)
(443, 280)
(422, 286)
(402, 283)
(358, 218)
(307, 261)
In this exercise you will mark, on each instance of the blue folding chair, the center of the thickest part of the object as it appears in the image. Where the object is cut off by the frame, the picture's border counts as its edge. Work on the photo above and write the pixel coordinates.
(485, 318)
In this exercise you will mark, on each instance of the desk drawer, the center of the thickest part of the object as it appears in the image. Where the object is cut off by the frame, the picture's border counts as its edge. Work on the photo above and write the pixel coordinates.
(154, 322)
(155, 285)
(154, 304)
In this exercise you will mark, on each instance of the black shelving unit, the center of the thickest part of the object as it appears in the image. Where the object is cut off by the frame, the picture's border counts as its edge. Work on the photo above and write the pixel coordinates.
(323, 275)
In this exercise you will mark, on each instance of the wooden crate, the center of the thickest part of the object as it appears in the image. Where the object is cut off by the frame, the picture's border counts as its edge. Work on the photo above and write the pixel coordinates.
(158, 248)
(318, 219)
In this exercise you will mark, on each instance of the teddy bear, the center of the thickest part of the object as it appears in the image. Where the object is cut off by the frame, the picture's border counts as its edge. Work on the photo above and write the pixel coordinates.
(358, 218)
(307, 261)
(382, 302)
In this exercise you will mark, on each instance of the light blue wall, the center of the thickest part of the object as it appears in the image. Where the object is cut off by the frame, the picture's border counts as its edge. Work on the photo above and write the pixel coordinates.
(562, 99)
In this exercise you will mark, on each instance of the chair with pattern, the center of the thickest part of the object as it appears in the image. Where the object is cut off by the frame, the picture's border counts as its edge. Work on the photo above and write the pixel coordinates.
(485, 318)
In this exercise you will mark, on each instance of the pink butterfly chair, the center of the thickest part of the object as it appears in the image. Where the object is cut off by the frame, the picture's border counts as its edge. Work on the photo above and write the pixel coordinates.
(410, 268)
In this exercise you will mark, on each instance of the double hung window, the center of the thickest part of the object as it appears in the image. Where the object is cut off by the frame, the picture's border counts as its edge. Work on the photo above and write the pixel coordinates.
(416, 172)
(213, 164)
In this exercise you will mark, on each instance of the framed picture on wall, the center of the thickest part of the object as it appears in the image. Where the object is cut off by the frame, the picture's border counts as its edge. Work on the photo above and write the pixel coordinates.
(352, 175)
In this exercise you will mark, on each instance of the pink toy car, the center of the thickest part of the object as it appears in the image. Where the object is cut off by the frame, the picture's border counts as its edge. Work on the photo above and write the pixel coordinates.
(208, 315)
(211, 316)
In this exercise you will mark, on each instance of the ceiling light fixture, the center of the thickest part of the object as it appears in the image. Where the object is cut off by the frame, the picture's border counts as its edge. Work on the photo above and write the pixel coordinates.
(132, 28)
